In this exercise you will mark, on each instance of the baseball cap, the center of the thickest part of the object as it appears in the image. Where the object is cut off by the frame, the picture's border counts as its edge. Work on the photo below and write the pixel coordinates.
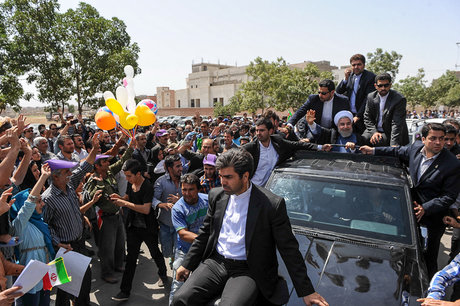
(56, 164)
(210, 159)
(161, 133)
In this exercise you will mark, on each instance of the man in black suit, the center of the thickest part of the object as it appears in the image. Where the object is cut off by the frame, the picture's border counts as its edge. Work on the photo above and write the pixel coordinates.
(435, 176)
(325, 104)
(237, 243)
(358, 83)
(270, 150)
(385, 115)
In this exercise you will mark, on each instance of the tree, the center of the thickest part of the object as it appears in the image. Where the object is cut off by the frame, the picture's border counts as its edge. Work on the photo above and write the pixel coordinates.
(452, 99)
(440, 89)
(413, 88)
(76, 54)
(380, 61)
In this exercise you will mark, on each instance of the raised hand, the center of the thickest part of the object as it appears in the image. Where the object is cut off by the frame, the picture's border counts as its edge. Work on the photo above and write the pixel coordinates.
(4, 205)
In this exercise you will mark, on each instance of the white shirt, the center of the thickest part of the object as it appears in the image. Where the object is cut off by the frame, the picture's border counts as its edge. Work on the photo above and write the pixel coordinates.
(425, 163)
(267, 161)
(231, 242)
(383, 100)
(82, 155)
(326, 116)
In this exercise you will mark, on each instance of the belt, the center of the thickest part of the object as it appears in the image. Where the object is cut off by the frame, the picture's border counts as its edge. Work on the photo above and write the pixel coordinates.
(236, 261)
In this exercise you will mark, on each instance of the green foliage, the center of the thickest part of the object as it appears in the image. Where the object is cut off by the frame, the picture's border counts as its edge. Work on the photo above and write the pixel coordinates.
(439, 93)
(452, 99)
(275, 84)
(77, 54)
(380, 61)
(413, 88)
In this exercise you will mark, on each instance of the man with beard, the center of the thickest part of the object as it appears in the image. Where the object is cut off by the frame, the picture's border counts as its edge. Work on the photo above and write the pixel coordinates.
(385, 115)
(234, 254)
(79, 146)
(345, 141)
(67, 149)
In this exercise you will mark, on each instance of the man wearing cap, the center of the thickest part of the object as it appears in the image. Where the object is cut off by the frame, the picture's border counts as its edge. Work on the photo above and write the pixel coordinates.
(163, 137)
(62, 214)
(196, 158)
(111, 233)
(385, 115)
(345, 138)
(210, 179)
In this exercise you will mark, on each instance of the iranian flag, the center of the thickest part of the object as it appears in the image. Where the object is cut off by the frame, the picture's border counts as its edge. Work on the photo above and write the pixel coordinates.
(57, 274)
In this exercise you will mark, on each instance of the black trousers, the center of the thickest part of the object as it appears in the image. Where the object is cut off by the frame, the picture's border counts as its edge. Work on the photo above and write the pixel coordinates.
(63, 298)
(214, 276)
(135, 237)
(435, 232)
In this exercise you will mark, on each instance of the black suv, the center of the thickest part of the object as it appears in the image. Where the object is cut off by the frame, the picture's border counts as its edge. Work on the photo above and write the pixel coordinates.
(353, 218)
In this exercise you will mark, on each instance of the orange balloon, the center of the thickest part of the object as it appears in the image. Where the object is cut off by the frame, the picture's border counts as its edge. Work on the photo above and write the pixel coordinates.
(105, 121)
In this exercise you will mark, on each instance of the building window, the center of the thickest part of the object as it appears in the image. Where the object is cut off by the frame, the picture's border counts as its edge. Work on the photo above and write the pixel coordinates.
(178, 103)
(196, 86)
(205, 68)
(192, 103)
(214, 102)
(198, 103)
(191, 86)
(221, 100)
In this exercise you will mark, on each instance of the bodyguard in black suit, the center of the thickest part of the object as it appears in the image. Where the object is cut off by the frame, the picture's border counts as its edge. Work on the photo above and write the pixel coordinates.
(326, 94)
(358, 83)
(235, 251)
(435, 176)
(388, 128)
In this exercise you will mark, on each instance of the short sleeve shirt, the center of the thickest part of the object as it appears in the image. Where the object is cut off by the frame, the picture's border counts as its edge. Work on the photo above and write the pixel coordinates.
(144, 195)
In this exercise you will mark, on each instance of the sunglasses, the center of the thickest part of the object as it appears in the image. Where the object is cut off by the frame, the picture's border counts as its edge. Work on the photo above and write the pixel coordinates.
(323, 92)
(383, 85)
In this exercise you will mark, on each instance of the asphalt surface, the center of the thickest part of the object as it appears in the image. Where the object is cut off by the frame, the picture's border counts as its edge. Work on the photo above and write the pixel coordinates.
(146, 291)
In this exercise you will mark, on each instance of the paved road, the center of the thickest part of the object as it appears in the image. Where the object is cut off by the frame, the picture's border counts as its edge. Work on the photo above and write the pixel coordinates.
(145, 289)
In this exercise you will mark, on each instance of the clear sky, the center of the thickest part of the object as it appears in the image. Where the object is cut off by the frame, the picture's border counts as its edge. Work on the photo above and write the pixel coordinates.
(172, 33)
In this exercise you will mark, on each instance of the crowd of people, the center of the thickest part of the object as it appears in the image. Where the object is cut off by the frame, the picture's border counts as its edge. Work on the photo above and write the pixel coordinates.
(194, 193)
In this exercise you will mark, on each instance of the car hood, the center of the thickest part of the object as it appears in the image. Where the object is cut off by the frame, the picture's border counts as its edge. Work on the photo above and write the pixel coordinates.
(350, 272)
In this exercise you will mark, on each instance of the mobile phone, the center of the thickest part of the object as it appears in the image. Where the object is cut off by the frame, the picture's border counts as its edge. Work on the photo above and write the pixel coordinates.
(74, 121)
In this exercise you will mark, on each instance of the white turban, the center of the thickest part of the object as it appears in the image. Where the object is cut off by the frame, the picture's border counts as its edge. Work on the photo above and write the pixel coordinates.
(342, 114)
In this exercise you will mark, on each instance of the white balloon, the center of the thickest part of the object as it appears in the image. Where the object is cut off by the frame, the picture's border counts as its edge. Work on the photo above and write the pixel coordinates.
(129, 71)
(131, 104)
(122, 96)
(108, 95)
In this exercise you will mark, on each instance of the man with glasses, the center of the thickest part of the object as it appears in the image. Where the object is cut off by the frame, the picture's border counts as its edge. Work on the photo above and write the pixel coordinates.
(434, 172)
(29, 136)
(326, 104)
(385, 115)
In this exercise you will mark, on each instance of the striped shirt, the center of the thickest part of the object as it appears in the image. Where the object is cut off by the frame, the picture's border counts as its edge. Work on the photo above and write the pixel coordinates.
(62, 210)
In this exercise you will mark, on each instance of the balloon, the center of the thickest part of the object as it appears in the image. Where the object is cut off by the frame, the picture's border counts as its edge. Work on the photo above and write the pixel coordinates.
(147, 102)
(122, 96)
(129, 121)
(105, 109)
(155, 108)
(115, 106)
(105, 121)
(131, 103)
(108, 95)
(129, 71)
(145, 115)
(125, 82)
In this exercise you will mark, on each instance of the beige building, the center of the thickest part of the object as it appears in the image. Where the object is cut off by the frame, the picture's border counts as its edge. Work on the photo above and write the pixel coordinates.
(209, 84)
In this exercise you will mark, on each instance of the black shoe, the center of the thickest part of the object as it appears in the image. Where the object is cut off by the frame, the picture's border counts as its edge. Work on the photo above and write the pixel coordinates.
(121, 296)
(163, 281)
(110, 279)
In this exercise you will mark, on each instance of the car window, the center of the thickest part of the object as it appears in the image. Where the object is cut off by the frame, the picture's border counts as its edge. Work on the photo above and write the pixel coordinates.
(358, 208)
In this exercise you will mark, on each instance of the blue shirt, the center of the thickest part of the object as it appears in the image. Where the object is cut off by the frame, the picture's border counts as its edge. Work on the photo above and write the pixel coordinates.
(444, 278)
(190, 217)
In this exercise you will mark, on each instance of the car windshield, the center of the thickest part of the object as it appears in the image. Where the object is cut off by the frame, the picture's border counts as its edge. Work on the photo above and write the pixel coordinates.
(348, 207)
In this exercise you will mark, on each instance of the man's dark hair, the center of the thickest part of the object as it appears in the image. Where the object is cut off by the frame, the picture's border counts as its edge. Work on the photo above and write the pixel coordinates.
(432, 126)
(192, 179)
(75, 136)
(272, 115)
(451, 121)
(265, 121)
(51, 125)
(240, 159)
(245, 126)
(41, 126)
(383, 77)
(327, 83)
(450, 129)
(228, 131)
(170, 160)
(205, 122)
(358, 57)
(62, 139)
(133, 166)
(138, 135)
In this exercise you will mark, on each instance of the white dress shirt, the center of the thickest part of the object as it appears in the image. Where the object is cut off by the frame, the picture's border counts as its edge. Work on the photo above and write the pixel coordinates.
(326, 116)
(267, 161)
(231, 242)
(425, 163)
(383, 100)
